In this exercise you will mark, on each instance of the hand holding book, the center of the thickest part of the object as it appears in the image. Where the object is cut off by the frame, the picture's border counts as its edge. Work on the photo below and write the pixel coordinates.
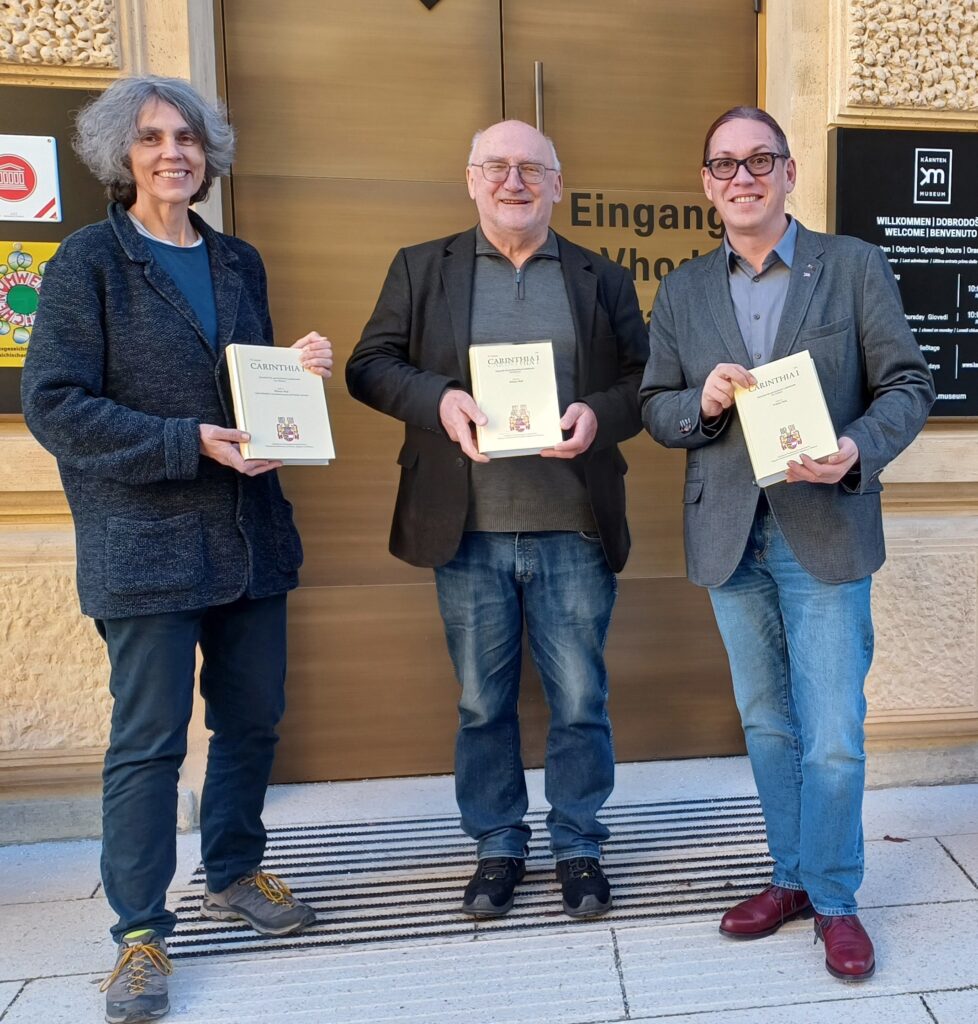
(829, 470)
(223, 445)
(316, 354)
(459, 415)
(719, 388)
(580, 420)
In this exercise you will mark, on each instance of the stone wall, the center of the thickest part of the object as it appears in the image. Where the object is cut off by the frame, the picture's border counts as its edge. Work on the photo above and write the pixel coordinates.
(877, 63)
(53, 668)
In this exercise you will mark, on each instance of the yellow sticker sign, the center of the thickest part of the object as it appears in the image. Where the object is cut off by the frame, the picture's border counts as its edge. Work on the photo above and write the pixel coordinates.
(22, 266)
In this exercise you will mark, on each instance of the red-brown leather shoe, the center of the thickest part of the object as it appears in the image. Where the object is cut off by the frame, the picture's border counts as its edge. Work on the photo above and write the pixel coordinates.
(848, 949)
(764, 913)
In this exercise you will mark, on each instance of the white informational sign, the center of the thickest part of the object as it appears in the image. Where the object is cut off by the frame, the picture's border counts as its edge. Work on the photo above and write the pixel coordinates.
(29, 186)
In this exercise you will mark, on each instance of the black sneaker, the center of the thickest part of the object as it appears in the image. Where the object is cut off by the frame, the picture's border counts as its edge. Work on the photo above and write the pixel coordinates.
(585, 889)
(490, 890)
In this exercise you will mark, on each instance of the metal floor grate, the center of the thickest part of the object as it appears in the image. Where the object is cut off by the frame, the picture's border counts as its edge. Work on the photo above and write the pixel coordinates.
(402, 879)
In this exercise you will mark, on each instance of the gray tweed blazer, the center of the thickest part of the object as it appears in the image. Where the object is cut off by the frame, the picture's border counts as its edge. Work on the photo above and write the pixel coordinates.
(844, 307)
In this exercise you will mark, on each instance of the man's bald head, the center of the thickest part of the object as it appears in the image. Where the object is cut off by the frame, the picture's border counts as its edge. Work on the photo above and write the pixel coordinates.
(478, 142)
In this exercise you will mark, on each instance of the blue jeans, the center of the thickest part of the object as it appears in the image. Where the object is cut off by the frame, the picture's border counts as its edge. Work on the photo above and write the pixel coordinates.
(799, 652)
(559, 584)
(242, 681)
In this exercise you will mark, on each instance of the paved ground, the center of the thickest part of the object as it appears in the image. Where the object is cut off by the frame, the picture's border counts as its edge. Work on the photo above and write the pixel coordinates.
(920, 902)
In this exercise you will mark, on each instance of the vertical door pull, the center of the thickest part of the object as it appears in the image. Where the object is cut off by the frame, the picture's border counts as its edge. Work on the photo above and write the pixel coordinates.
(538, 92)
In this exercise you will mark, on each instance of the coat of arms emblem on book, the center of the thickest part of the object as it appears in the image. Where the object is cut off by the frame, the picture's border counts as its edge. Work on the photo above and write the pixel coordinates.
(287, 429)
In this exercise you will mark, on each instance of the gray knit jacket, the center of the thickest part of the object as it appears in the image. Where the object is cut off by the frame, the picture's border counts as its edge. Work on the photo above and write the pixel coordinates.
(118, 378)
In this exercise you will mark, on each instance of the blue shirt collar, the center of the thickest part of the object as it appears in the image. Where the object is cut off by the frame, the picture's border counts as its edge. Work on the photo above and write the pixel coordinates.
(784, 250)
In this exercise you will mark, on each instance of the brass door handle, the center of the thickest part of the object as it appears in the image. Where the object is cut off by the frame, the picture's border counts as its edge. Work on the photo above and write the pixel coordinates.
(538, 92)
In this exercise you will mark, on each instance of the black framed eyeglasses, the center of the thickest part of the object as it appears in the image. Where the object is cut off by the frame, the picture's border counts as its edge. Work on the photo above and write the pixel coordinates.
(498, 170)
(758, 164)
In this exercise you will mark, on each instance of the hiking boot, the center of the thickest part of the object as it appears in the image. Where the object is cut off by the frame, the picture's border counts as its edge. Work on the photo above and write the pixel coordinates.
(584, 887)
(490, 890)
(136, 989)
(263, 900)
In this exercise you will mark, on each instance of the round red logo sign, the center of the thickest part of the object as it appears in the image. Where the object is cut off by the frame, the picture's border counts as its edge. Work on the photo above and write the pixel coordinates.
(17, 178)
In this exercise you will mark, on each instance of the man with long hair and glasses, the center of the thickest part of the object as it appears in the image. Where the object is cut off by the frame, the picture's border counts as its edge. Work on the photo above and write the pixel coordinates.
(789, 567)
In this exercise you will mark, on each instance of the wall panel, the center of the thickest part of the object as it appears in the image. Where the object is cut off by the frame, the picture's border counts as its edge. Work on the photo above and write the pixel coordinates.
(630, 86)
(382, 89)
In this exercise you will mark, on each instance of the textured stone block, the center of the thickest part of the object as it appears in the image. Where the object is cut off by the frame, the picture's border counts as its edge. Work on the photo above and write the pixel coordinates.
(53, 668)
(67, 33)
(914, 56)
(925, 602)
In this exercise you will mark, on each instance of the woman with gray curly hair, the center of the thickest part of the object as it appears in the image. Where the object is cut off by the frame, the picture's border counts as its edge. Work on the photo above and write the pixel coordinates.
(106, 130)
(180, 542)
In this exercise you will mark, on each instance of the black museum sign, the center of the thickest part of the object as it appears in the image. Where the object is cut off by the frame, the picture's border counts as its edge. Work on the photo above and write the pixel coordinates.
(915, 194)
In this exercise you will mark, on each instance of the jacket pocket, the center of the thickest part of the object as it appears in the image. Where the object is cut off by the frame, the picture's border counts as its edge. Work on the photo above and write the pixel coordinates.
(151, 556)
(825, 330)
(692, 491)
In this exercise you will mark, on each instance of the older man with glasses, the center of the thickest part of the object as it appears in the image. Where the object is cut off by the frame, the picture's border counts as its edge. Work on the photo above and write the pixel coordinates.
(531, 541)
(789, 567)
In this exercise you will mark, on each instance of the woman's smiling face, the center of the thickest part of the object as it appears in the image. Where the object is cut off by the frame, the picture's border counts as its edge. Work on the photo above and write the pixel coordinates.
(167, 158)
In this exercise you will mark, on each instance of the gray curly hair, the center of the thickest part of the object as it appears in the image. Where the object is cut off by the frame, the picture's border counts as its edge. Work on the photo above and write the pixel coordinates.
(106, 129)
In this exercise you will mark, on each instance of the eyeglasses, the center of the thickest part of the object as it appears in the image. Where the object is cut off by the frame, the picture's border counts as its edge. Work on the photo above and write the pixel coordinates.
(758, 164)
(498, 170)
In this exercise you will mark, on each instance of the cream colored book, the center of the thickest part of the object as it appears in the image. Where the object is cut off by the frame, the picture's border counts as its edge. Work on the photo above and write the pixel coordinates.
(516, 387)
(281, 405)
(784, 416)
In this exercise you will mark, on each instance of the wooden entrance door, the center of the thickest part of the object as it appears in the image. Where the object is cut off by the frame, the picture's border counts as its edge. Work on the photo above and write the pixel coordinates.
(354, 122)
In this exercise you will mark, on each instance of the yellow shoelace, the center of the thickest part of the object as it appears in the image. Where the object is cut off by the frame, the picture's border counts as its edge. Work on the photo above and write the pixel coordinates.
(139, 959)
(273, 888)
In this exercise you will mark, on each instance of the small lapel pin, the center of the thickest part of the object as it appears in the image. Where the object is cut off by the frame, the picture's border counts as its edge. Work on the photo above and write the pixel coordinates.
(808, 270)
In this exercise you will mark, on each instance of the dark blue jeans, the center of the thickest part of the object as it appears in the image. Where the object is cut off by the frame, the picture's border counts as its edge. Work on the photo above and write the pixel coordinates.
(559, 584)
(242, 681)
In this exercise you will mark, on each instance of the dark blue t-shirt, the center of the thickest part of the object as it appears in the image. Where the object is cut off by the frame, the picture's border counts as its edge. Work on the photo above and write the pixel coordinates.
(191, 273)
